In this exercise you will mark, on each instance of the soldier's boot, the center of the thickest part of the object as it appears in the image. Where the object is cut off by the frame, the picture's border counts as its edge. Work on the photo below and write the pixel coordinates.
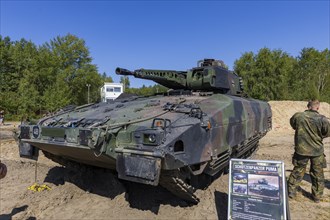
(292, 189)
(292, 192)
(316, 200)
(292, 195)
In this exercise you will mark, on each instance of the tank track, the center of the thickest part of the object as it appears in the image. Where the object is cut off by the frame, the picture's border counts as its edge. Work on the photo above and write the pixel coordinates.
(171, 180)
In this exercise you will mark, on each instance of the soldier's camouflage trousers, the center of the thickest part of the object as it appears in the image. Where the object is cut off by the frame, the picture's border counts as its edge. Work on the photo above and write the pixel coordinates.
(316, 173)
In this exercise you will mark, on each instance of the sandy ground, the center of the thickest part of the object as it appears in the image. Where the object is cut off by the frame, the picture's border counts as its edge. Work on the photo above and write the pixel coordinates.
(93, 193)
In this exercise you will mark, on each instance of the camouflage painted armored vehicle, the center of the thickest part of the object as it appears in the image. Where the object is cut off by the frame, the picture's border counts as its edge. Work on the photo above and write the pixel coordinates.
(180, 140)
(264, 188)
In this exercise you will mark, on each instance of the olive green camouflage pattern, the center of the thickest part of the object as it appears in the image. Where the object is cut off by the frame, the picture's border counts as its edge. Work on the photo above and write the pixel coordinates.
(310, 129)
(181, 140)
(316, 173)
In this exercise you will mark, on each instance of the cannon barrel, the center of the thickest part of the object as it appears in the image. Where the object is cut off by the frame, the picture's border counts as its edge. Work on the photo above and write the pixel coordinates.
(168, 78)
(125, 72)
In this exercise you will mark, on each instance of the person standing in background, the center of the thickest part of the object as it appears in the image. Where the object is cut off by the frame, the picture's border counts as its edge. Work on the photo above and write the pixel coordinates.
(310, 129)
(2, 117)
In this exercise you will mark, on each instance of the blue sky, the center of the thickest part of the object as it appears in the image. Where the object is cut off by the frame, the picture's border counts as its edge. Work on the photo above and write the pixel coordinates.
(170, 34)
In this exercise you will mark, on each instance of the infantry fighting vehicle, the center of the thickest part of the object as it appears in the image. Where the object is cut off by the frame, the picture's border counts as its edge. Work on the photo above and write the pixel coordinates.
(264, 188)
(179, 140)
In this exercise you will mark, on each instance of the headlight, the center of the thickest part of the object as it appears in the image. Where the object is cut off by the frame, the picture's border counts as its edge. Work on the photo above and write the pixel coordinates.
(35, 131)
(152, 138)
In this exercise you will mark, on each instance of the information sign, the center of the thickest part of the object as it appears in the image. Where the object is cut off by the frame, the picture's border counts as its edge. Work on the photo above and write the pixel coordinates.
(257, 190)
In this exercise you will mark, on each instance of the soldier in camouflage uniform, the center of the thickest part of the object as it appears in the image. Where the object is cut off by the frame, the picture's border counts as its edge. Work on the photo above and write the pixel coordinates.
(310, 129)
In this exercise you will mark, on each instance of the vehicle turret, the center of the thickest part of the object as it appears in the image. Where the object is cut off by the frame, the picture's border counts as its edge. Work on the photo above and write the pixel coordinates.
(209, 76)
(263, 181)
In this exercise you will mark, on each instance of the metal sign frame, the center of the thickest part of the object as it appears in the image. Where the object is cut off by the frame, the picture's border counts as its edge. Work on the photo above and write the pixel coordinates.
(257, 190)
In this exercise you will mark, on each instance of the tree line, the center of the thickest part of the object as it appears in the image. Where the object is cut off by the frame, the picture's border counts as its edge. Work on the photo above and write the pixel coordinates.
(275, 75)
(35, 80)
(38, 79)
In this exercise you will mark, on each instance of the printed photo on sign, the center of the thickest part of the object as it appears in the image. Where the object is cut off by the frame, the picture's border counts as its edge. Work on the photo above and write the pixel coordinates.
(240, 188)
(262, 185)
(240, 178)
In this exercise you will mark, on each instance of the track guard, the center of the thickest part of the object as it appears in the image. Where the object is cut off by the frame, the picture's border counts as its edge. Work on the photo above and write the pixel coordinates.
(28, 151)
(139, 169)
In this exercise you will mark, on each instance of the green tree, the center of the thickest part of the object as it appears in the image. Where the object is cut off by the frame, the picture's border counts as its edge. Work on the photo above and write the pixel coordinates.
(55, 95)
(125, 81)
(35, 79)
(28, 98)
(106, 78)
(311, 77)
(73, 62)
(265, 73)
(147, 91)
(17, 63)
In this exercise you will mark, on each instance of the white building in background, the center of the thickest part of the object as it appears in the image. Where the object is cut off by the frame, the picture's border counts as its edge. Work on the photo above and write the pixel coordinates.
(111, 91)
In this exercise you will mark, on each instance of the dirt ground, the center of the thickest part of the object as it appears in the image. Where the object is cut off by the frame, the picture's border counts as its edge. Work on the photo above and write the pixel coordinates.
(93, 193)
